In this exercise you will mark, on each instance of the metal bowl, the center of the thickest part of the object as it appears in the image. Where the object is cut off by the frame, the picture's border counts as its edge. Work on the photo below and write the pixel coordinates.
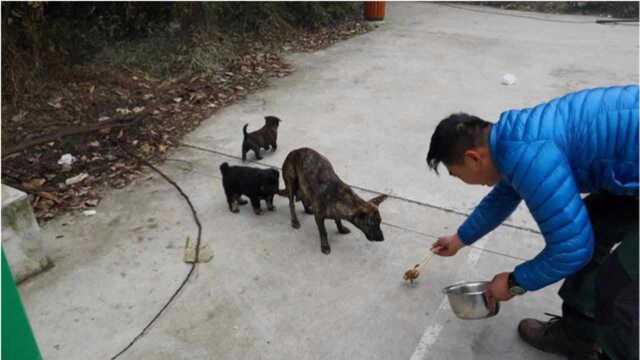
(468, 300)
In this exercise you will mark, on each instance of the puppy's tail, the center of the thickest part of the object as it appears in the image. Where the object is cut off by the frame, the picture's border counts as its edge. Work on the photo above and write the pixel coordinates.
(224, 167)
(244, 129)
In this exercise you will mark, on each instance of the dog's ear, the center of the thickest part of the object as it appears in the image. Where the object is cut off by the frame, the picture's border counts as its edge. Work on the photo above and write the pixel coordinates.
(378, 199)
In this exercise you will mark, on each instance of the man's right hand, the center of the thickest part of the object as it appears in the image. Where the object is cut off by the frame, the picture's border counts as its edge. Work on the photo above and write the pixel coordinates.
(447, 245)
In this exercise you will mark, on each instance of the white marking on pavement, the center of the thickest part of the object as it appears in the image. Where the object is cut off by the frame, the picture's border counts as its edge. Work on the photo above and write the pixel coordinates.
(430, 335)
(432, 332)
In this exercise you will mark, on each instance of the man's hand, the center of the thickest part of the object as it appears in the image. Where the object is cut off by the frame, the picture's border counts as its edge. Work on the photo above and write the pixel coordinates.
(447, 245)
(499, 288)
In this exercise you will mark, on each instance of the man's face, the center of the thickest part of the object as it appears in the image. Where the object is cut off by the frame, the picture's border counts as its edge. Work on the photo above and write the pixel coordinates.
(476, 168)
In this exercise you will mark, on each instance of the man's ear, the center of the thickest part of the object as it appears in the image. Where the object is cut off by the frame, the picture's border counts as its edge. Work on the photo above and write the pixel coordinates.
(472, 155)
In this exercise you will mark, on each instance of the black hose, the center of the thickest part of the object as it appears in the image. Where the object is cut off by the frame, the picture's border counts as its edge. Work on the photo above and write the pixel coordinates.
(193, 265)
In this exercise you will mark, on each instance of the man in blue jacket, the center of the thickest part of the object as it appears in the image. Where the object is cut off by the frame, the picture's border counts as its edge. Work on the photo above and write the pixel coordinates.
(582, 143)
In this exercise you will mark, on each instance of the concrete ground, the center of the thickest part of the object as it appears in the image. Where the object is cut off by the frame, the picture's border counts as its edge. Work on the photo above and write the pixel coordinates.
(370, 105)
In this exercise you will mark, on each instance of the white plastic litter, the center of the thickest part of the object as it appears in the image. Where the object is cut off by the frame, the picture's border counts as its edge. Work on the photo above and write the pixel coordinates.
(66, 160)
(509, 79)
(89, 212)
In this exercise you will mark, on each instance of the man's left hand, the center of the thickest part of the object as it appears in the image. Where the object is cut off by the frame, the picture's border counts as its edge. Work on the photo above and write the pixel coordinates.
(499, 288)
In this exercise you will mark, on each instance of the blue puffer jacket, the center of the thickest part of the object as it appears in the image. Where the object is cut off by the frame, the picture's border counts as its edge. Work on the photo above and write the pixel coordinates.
(583, 142)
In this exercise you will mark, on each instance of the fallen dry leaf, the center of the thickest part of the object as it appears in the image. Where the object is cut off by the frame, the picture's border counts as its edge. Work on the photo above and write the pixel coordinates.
(76, 179)
(19, 116)
(49, 196)
(146, 148)
(92, 202)
(34, 183)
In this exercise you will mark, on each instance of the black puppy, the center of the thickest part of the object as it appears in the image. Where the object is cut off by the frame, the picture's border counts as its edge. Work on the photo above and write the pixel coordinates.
(264, 138)
(256, 184)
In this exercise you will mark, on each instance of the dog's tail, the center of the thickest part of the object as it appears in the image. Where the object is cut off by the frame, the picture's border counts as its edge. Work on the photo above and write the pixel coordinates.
(244, 129)
(224, 167)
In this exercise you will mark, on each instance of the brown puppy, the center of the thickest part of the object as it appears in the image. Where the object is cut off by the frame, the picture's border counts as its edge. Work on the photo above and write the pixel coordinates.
(309, 177)
(264, 138)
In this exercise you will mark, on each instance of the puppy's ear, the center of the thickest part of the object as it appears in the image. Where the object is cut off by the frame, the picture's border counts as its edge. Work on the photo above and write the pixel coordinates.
(271, 120)
(378, 199)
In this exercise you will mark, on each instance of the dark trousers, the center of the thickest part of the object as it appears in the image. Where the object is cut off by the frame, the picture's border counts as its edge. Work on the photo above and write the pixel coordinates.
(600, 302)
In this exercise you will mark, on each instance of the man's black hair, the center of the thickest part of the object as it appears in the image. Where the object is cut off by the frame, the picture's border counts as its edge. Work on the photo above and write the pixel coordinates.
(453, 136)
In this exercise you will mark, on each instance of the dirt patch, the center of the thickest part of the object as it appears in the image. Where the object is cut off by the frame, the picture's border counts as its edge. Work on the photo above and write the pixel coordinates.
(114, 108)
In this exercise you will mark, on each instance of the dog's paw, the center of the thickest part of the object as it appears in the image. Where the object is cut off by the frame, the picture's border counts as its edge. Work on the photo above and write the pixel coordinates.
(295, 224)
(344, 230)
(235, 211)
(325, 249)
(257, 211)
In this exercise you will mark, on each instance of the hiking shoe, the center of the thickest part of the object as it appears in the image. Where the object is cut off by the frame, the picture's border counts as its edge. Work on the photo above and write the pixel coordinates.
(551, 337)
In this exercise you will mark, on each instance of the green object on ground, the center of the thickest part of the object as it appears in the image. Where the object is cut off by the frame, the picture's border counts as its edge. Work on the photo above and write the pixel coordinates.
(18, 342)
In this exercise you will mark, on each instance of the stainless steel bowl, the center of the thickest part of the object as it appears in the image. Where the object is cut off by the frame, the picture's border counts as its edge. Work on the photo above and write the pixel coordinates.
(468, 300)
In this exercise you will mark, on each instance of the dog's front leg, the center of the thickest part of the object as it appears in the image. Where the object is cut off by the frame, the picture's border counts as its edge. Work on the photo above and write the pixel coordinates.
(341, 228)
(324, 242)
(255, 203)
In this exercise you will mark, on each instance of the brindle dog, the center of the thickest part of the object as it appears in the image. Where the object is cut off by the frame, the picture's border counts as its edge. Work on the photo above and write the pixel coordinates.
(309, 177)
(264, 138)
